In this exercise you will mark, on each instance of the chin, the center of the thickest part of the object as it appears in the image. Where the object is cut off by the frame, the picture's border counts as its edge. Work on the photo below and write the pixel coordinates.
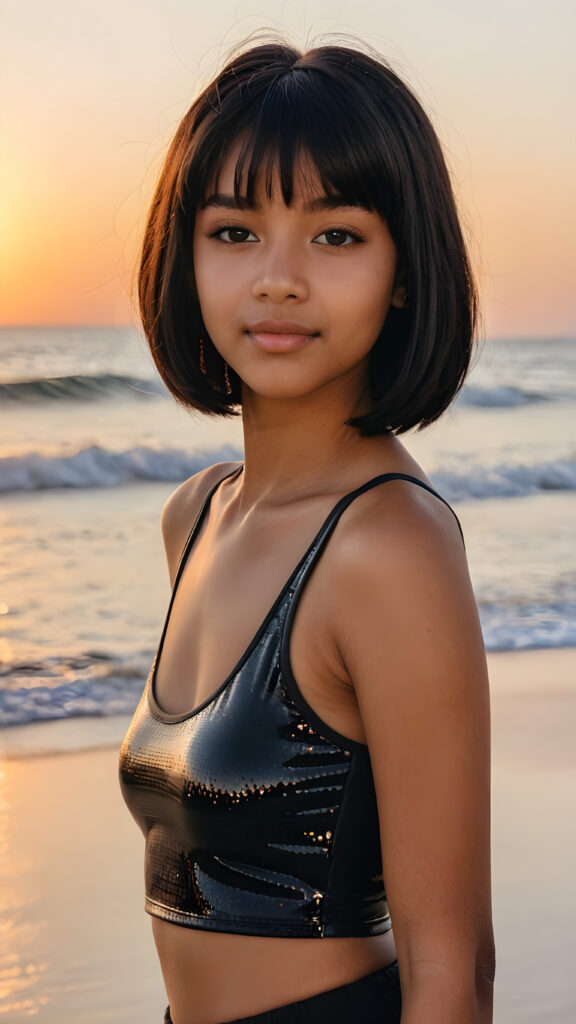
(271, 384)
(276, 393)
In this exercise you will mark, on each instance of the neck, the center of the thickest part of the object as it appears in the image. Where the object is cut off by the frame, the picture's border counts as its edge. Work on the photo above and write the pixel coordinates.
(294, 448)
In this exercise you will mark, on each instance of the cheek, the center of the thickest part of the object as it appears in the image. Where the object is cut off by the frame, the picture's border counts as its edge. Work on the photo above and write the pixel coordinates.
(379, 286)
(218, 282)
(204, 270)
(364, 296)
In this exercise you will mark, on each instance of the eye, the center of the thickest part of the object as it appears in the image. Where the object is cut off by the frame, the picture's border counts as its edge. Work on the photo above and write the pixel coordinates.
(336, 237)
(235, 235)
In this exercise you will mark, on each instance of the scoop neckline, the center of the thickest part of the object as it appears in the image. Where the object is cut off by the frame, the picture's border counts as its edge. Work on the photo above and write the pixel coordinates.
(168, 718)
(154, 707)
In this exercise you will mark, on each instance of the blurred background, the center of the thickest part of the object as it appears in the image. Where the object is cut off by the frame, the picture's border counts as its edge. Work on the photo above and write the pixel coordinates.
(91, 446)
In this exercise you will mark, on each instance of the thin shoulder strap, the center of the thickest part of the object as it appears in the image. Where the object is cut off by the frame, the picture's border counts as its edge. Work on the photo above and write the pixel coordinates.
(301, 573)
(189, 542)
(412, 479)
(198, 522)
(333, 516)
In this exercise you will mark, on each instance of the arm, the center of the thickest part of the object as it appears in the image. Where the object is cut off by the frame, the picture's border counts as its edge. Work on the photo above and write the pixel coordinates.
(410, 639)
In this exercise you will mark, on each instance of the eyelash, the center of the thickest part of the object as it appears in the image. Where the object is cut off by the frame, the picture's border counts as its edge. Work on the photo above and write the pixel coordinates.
(356, 238)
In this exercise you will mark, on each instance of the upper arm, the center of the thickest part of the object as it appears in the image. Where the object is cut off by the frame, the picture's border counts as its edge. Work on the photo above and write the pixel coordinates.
(410, 637)
(181, 509)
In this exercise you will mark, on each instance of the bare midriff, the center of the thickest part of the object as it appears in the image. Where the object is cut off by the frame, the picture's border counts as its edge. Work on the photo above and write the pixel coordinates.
(212, 977)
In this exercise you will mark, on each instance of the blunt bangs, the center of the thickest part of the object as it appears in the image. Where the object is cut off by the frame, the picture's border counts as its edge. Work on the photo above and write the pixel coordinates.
(295, 125)
(346, 117)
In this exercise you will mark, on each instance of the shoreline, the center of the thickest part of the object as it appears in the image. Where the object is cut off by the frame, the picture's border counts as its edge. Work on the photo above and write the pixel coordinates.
(78, 947)
(512, 674)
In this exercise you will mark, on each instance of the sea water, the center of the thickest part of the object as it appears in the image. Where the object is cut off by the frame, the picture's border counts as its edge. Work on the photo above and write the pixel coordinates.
(91, 445)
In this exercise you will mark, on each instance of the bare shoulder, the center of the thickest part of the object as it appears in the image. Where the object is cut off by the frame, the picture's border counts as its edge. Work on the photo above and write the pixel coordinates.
(403, 571)
(183, 505)
(395, 526)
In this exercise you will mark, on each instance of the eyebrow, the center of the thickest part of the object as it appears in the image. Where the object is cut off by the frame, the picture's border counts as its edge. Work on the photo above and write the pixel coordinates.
(230, 202)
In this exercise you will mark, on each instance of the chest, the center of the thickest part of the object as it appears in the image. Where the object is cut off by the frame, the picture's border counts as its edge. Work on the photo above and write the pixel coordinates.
(224, 596)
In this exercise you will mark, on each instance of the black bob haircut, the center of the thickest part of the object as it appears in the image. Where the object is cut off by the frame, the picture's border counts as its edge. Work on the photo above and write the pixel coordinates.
(373, 146)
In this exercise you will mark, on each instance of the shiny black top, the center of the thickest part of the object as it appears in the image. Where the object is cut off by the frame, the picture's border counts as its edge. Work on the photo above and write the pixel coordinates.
(258, 817)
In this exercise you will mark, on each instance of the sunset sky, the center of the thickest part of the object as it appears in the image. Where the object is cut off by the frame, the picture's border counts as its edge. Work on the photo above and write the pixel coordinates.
(91, 93)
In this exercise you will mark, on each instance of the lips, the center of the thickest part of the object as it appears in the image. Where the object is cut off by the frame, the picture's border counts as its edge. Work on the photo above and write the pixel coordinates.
(280, 335)
(289, 327)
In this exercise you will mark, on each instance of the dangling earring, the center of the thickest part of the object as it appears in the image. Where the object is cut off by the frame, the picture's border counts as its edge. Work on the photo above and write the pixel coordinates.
(227, 383)
(406, 299)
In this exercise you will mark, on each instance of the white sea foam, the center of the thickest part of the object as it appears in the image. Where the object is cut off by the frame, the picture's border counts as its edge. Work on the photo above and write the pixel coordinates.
(94, 466)
(71, 687)
(506, 480)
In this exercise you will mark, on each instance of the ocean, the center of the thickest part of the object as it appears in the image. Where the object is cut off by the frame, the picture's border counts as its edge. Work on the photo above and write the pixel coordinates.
(91, 445)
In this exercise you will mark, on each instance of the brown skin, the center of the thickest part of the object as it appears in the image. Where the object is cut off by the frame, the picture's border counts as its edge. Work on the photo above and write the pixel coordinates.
(386, 643)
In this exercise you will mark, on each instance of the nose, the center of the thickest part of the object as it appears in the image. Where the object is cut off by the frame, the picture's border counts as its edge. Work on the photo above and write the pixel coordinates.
(279, 273)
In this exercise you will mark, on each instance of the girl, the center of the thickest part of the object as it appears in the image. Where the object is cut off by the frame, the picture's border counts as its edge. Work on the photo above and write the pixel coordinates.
(310, 757)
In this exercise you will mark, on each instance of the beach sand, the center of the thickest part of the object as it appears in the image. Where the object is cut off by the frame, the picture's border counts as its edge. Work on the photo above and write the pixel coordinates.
(75, 943)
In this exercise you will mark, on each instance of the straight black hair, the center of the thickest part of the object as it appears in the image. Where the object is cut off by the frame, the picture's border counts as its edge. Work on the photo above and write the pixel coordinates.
(372, 145)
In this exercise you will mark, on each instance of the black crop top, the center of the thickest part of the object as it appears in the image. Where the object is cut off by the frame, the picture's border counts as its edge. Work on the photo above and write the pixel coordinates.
(259, 818)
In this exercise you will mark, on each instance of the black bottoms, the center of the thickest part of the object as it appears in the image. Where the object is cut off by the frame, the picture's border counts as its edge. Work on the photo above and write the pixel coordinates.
(373, 999)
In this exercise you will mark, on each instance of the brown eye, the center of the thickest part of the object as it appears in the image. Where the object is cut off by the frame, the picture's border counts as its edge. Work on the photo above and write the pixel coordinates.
(337, 237)
(235, 235)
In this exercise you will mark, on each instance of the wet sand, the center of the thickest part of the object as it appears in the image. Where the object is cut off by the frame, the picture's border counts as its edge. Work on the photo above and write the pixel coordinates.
(75, 943)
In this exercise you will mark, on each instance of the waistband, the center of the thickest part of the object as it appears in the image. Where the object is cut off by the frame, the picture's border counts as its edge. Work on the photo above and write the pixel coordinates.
(337, 1003)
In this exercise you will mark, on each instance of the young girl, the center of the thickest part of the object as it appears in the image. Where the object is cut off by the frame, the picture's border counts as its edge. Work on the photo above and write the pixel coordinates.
(309, 762)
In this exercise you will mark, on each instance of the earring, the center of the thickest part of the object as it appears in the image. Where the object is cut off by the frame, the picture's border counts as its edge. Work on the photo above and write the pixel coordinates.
(227, 380)
(406, 299)
(202, 360)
